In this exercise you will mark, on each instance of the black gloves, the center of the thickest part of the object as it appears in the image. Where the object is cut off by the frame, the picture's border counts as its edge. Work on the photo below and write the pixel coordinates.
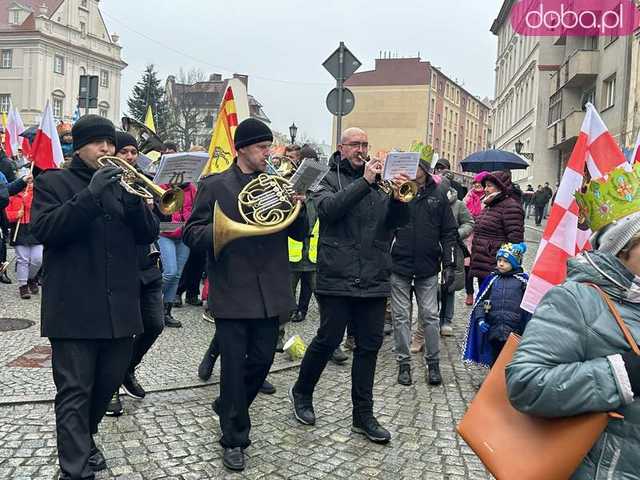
(448, 276)
(632, 364)
(102, 179)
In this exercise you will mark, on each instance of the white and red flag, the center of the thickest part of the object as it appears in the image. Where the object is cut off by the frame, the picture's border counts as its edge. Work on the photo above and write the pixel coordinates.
(597, 150)
(12, 139)
(46, 151)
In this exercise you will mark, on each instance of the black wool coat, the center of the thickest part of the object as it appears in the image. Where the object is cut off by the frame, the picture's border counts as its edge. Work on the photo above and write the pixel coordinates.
(356, 227)
(90, 282)
(251, 277)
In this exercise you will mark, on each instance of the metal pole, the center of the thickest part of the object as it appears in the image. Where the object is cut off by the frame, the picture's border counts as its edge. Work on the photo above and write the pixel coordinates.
(340, 93)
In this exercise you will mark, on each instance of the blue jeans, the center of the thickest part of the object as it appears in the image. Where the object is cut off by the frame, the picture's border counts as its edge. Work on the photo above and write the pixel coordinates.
(174, 255)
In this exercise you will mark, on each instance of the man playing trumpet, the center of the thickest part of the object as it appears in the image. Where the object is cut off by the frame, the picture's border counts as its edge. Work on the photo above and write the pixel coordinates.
(89, 227)
(353, 268)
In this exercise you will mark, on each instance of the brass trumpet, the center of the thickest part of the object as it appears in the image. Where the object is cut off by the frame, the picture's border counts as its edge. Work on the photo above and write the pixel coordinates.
(136, 183)
(407, 191)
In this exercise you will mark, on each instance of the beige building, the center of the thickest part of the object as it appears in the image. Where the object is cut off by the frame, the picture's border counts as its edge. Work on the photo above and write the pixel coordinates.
(44, 48)
(404, 100)
(522, 90)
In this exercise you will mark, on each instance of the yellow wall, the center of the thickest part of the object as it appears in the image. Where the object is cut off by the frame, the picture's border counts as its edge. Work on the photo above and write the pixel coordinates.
(393, 116)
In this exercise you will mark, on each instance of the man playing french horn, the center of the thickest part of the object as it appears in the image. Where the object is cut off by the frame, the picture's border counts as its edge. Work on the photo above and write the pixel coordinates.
(89, 227)
(249, 283)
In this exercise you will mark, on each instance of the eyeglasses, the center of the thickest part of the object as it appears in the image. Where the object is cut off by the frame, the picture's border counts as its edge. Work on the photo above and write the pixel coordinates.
(363, 145)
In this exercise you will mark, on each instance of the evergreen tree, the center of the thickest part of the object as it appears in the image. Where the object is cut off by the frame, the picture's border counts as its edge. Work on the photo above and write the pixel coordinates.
(149, 91)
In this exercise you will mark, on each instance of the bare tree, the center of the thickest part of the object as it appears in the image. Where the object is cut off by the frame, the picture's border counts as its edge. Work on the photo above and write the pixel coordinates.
(187, 118)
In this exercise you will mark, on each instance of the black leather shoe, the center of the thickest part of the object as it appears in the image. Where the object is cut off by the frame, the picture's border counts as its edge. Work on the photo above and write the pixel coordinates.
(4, 278)
(132, 387)
(114, 409)
(97, 462)
(206, 365)
(339, 357)
(169, 321)
(302, 408)
(370, 428)
(178, 301)
(404, 375)
(233, 459)
(433, 374)
(267, 388)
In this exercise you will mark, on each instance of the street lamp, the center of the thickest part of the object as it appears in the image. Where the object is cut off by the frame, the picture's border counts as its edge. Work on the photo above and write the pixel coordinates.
(293, 131)
(519, 145)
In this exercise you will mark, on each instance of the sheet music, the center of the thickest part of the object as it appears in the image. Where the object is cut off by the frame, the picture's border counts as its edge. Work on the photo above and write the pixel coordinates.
(401, 163)
(177, 168)
(309, 175)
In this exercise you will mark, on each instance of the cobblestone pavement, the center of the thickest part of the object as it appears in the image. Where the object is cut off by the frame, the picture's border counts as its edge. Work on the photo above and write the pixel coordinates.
(172, 433)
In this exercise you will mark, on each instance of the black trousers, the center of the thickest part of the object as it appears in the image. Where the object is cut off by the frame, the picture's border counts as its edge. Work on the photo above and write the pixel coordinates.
(539, 214)
(366, 316)
(192, 273)
(468, 281)
(246, 348)
(152, 312)
(86, 373)
(307, 281)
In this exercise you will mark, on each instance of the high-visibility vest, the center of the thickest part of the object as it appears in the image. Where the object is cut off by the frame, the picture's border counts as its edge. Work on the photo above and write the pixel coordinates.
(295, 247)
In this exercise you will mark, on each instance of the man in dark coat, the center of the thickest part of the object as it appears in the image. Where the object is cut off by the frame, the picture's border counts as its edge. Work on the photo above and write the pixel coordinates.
(540, 200)
(90, 228)
(443, 168)
(356, 225)
(428, 240)
(249, 287)
(150, 295)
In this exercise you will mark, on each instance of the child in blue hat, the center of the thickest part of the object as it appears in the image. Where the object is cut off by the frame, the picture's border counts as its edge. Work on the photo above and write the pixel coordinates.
(496, 312)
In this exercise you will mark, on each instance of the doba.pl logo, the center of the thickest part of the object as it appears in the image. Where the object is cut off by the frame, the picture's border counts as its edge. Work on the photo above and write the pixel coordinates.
(575, 17)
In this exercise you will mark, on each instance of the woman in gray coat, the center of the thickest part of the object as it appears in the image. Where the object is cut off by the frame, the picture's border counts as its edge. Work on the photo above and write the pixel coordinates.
(574, 359)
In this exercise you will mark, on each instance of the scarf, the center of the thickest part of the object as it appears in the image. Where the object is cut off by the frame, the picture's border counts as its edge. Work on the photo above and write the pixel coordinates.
(474, 202)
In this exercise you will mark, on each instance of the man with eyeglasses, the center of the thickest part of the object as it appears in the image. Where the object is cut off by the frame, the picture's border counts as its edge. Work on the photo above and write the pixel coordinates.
(353, 268)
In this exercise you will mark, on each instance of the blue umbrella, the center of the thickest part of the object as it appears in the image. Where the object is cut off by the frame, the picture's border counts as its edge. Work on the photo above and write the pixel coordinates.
(492, 160)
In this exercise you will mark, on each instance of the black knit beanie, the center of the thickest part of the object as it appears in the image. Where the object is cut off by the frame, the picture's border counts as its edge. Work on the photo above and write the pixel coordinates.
(251, 131)
(124, 139)
(91, 128)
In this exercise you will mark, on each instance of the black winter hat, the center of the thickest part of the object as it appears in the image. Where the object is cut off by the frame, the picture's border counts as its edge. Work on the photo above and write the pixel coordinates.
(91, 128)
(443, 163)
(124, 139)
(251, 131)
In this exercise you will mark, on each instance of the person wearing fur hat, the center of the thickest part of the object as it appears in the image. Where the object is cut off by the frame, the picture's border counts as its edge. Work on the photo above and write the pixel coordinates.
(150, 296)
(249, 286)
(573, 357)
(90, 228)
(496, 312)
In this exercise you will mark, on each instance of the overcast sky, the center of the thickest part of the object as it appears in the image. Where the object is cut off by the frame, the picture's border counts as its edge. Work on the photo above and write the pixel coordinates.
(281, 44)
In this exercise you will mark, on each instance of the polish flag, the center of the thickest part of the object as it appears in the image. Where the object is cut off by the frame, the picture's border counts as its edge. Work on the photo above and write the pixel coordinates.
(635, 156)
(596, 150)
(46, 151)
(12, 139)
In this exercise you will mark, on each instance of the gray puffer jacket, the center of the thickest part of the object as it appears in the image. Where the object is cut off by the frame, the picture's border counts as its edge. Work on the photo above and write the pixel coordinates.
(569, 362)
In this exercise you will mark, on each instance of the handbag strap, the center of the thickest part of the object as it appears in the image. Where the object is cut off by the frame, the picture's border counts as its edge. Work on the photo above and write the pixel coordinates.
(616, 314)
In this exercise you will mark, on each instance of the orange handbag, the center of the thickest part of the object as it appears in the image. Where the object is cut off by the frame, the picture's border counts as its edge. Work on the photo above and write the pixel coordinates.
(516, 446)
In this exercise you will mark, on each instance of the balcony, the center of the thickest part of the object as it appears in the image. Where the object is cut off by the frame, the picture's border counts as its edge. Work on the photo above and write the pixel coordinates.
(562, 135)
(580, 70)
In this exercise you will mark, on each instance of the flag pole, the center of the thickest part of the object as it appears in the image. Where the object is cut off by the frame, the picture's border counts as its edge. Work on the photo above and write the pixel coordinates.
(24, 195)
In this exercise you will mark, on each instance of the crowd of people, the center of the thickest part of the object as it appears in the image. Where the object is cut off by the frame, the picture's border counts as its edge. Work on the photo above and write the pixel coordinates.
(358, 249)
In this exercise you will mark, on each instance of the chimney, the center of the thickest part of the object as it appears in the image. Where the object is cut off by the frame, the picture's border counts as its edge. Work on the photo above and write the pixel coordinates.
(243, 78)
(215, 77)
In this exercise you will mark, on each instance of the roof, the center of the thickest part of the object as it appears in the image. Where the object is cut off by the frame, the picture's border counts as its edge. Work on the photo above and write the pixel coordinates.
(34, 5)
(393, 71)
(502, 16)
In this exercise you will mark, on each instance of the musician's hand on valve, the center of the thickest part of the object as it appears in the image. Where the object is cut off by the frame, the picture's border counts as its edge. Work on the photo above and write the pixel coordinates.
(372, 169)
(298, 197)
(397, 181)
(102, 179)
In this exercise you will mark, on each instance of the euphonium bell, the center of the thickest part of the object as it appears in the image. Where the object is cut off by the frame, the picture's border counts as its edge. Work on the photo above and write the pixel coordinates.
(136, 183)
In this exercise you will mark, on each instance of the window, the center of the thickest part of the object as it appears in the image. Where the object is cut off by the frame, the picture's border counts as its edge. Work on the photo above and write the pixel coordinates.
(609, 92)
(84, 3)
(591, 43)
(58, 64)
(6, 59)
(589, 96)
(103, 112)
(5, 102)
(58, 106)
(104, 78)
(15, 17)
(83, 28)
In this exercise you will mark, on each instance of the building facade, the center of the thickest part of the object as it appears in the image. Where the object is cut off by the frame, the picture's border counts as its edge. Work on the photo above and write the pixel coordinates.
(198, 103)
(45, 46)
(406, 100)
